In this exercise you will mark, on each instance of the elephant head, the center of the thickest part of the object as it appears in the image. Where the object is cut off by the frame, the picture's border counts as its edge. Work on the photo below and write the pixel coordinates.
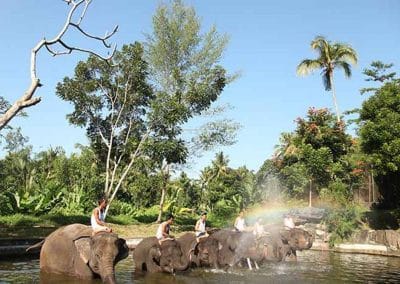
(205, 252)
(101, 253)
(297, 239)
(172, 259)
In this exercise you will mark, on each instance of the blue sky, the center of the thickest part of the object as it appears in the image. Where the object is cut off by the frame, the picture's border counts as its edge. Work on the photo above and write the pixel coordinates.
(267, 41)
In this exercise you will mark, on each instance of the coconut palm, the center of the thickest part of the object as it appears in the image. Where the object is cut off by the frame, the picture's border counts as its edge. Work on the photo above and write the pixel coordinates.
(330, 56)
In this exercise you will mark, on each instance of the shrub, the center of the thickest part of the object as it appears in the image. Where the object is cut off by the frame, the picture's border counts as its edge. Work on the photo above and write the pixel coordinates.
(118, 207)
(341, 223)
(337, 192)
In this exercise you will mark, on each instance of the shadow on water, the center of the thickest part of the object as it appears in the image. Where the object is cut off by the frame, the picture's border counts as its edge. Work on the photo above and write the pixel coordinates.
(311, 267)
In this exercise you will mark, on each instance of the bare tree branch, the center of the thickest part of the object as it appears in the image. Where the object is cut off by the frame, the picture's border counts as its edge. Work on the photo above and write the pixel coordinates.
(27, 100)
(83, 12)
(102, 39)
(103, 138)
(71, 48)
(128, 167)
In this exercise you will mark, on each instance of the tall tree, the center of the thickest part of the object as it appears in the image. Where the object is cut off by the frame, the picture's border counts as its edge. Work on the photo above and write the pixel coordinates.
(380, 132)
(111, 101)
(315, 153)
(330, 56)
(72, 22)
(184, 68)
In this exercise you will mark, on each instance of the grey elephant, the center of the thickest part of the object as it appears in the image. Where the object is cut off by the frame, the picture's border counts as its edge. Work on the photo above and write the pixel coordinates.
(201, 253)
(228, 242)
(296, 239)
(236, 248)
(73, 251)
(150, 256)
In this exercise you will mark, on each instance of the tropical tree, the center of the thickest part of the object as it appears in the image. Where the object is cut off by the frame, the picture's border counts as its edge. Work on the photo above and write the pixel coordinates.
(315, 154)
(380, 132)
(184, 68)
(330, 57)
(225, 188)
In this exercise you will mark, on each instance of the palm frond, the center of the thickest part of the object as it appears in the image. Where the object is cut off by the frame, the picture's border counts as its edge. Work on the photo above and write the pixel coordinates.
(345, 52)
(346, 68)
(321, 45)
(307, 66)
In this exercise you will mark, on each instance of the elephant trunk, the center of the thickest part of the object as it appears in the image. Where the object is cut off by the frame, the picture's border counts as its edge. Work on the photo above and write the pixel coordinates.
(182, 265)
(107, 272)
(109, 279)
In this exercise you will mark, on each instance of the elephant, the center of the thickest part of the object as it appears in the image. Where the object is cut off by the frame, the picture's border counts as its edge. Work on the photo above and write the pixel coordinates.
(202, 253)
(296, 239)
(73, 250)
(150, 256)
(228, 241)
(236, 247)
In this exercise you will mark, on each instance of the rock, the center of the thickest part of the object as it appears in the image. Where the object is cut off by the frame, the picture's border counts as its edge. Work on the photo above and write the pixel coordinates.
(393, 239)
(308, 214)
(362, 248)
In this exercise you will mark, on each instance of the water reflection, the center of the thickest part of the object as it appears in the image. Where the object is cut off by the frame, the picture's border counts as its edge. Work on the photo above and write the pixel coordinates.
(311, 267)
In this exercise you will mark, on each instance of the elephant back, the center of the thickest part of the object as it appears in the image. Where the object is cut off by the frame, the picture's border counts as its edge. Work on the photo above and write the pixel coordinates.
(187, 242)
(58, 250)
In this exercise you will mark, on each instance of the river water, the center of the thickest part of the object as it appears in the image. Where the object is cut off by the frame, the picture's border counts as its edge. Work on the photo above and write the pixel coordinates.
(311, 267)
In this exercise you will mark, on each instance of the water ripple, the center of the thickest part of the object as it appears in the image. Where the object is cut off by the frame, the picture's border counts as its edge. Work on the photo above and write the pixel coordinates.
(311, 267)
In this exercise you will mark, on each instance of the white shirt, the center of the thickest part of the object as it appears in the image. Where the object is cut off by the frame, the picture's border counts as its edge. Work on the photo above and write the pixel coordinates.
(258, 229)
(159, 233)
(288, 222)
(93, 221)
(201, 228)
(240, 224)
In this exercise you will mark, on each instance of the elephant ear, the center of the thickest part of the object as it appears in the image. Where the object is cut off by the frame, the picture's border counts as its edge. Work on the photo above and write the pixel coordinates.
(82, 245)
(155, 253)
(194, 249)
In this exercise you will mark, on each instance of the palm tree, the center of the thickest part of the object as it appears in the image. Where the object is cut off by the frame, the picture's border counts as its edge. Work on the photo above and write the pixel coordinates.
(330, 56)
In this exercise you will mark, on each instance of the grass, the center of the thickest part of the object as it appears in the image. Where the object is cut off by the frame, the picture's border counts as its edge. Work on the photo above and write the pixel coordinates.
(24, 226)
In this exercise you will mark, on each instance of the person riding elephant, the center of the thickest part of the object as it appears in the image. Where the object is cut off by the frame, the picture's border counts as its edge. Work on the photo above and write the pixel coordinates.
(151, 256)
(73, 250)
(201, 252)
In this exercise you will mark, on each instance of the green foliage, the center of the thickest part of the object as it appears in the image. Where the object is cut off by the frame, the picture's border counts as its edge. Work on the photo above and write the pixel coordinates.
(18, 220)
(336, 192)
(226, 187)
(331, 56)
(380, 133)
(147, 215)
(48, 182)
(122, 219)
(378, 72)
(216, 133)
(216, 220)
(106, 94)
(225, 208)
(318, 152)
(122, 208)
(182, 60)
(341, 223)
(380, 130)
